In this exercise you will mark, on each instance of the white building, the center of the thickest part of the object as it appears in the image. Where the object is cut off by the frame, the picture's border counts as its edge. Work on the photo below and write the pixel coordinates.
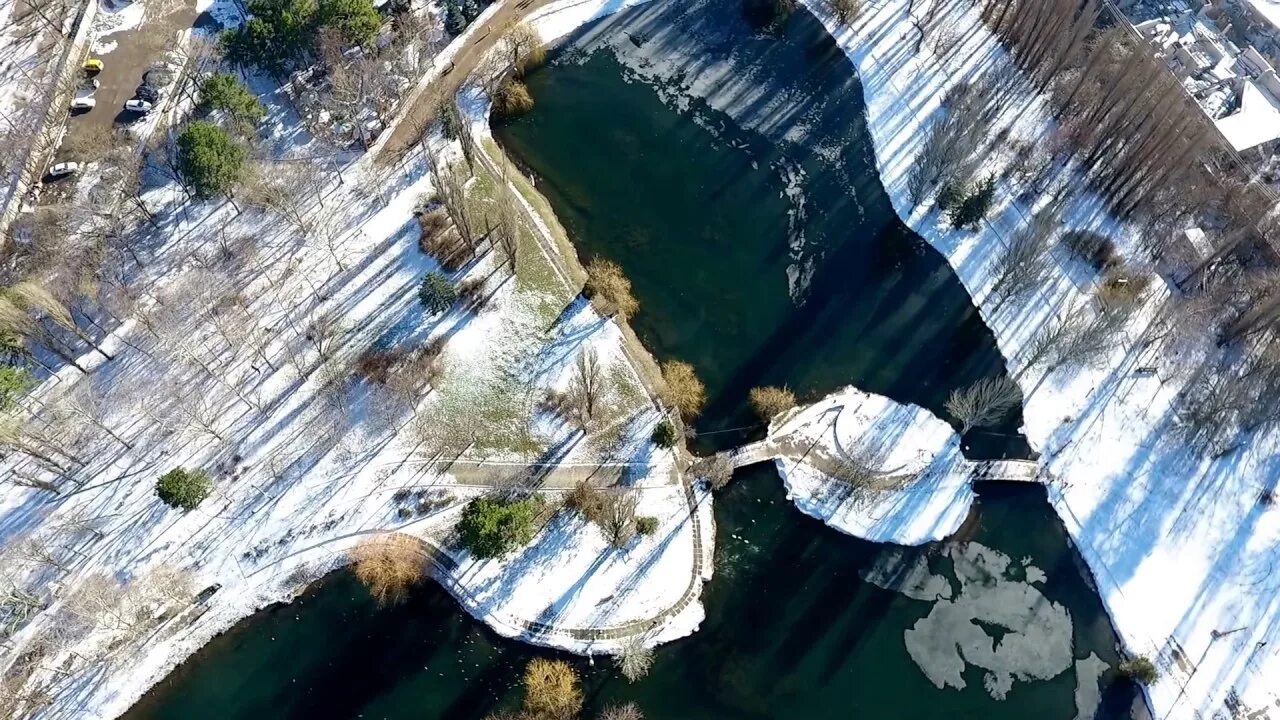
(1236, 87)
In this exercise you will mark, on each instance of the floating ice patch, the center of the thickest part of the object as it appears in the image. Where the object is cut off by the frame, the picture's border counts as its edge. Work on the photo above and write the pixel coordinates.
(800, 270)
(995, 622)
(1088, 693)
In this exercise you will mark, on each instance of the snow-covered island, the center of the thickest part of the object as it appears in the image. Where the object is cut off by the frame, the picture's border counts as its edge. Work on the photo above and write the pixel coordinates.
(870, 467)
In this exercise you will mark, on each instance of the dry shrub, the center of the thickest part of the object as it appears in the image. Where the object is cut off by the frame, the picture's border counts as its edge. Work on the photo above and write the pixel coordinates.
(417, 369)
(388, 565)
(432, 223)
(684, 391)
(551, 689)
(1094, 248)
(587, 500)
(512, 99)
(609, 289)
(376, 364)
(471, 293)
(1122, 289)
(557, 402)
(768, 402)
(446, 247)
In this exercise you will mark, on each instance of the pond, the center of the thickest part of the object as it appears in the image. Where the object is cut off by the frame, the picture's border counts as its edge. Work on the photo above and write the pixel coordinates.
(730, 173)
(793, 630)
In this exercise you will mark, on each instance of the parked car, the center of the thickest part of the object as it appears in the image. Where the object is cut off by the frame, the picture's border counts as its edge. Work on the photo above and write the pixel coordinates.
(83, 103)
(139, 106)
(148, 93)
(93, 65)
(63, 169)
(88, 86)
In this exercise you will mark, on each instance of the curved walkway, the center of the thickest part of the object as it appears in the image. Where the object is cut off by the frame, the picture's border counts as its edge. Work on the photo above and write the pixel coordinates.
(446, 567)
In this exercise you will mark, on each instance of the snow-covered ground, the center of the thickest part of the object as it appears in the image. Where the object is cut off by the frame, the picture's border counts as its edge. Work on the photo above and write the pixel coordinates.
(1183, 551)
(234, 354)
(917, 489)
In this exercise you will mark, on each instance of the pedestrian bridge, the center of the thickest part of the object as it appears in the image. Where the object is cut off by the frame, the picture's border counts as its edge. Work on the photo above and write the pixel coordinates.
(1024, 471)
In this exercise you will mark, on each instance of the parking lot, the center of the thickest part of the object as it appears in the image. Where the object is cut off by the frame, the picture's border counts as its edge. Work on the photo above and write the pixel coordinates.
(129, 53)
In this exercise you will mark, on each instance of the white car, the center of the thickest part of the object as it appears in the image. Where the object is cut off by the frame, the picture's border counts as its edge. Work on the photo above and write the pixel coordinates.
(64, 168)
(83, 103)
(138, 106)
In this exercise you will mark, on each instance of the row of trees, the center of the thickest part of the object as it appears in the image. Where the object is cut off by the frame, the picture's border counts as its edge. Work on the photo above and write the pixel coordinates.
(1140, 141)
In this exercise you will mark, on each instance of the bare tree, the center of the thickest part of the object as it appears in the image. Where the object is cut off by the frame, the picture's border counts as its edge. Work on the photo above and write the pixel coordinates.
(450, 187)
(506, 233)
(947, 154)
(105, 602)
(1024, 266)
(19, 602)
(716, 469)
(586, 386)
(169, 584)
(277, 188)
(41, 550)
(326, 333)
(618, 516)
(198, 410)
(1077, 340)
(984, 403)
(43, 444)
(52, 13)
(87, 403)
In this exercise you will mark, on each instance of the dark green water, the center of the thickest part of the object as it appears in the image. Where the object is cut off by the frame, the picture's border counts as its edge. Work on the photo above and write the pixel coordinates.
(751, 221)
(791, 632)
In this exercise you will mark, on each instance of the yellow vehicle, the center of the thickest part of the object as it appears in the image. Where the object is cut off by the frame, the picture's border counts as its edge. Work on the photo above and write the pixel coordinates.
(93, 65)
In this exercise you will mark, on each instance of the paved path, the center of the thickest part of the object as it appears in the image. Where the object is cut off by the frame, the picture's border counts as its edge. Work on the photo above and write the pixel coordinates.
(797, 450)
(406, 130)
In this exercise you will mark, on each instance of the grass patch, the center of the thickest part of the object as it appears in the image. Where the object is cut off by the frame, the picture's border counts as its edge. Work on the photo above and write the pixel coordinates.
(534, 272)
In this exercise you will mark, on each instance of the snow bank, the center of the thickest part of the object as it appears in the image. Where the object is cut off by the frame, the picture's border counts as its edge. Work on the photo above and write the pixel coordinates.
(559, 19)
